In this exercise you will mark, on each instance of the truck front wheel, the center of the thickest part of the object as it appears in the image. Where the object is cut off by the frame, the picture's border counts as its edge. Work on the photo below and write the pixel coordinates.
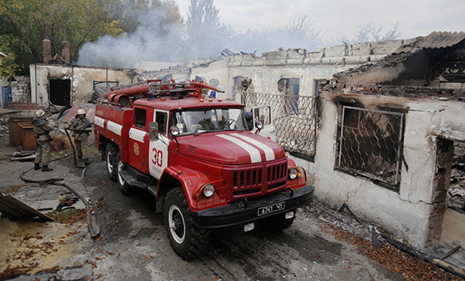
(186, 238)
(110, 160)
(277, 223)
(123, 186)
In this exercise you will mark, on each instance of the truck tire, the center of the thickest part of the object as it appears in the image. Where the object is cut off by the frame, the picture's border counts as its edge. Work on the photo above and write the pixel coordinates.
(123, 186)
(110, 160)
(277, 223)
(186, 238)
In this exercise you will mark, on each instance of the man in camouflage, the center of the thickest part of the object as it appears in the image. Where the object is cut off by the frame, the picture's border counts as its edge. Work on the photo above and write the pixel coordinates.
(81, 128)
(42, 126)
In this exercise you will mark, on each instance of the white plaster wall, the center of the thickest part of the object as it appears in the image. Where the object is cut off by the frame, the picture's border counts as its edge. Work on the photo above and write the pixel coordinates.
(82, 79)
(405, 213)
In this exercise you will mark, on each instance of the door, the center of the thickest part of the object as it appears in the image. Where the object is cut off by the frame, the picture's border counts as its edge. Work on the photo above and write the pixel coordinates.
(138, 135)
(158, 148)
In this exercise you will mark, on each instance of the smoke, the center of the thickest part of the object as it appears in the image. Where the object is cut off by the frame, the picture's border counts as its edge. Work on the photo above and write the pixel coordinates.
(153, 40)
(156, 39)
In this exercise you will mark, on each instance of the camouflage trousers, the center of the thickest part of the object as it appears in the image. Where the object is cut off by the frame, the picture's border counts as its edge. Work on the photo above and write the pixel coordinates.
(81, 147)
(43, 153)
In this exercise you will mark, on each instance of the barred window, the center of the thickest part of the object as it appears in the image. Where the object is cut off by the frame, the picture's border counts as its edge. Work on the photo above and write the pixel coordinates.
(370, 144)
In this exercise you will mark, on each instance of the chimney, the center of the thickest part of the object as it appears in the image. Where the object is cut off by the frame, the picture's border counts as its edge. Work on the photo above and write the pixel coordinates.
(47, 47)
(65, 54)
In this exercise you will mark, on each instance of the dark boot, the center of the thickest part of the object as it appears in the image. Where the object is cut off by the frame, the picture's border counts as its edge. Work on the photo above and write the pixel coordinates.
(37, 166)
(46, 169)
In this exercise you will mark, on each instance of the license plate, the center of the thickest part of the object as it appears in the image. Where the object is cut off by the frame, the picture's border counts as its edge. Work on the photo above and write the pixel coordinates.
(271, 208)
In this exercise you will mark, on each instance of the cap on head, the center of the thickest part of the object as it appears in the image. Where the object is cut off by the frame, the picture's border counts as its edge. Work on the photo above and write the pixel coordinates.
(81, 111)
(40, 113)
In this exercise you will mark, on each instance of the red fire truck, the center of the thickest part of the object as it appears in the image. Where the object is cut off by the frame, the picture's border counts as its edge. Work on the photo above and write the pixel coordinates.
(196, 154)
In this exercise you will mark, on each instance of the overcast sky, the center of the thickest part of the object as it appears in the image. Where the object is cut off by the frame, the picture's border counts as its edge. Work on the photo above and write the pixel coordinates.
(338, 18)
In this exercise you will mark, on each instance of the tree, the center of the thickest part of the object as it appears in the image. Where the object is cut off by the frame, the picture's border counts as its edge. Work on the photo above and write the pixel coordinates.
(22, 26)
(297, 33)
(206, 36)
(370, 33)
(8, 67)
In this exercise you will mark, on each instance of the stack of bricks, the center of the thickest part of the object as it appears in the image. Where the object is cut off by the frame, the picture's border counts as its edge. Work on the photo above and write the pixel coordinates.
(21, 89)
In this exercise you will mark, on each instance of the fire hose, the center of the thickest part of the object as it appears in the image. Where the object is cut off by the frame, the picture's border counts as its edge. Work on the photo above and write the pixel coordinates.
(93, 219)
(72, 146)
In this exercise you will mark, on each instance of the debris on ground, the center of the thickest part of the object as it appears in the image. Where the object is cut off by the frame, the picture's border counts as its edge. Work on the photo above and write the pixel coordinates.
(346, 227)
(32, 247)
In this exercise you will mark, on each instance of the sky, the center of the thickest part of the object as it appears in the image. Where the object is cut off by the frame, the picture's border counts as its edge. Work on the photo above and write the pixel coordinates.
(342, 18)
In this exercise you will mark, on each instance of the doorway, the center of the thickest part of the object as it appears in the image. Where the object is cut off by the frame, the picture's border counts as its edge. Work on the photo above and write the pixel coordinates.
(60, 92)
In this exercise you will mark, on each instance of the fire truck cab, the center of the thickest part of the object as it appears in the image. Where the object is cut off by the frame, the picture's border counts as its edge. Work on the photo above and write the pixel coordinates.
(198, 157)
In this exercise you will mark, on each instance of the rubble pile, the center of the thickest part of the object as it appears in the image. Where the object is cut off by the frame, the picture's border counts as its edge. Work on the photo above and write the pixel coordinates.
(456, 192)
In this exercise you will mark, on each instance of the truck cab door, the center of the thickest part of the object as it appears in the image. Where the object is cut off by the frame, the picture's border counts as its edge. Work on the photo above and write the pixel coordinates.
(263, 114)
(138, 137)
(159, 141)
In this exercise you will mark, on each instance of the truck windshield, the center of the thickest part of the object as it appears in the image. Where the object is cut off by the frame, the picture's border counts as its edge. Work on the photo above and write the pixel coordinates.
(209, 120)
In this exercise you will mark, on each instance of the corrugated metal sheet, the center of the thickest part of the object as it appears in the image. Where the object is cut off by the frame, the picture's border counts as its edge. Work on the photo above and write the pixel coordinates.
(436, 40)
(12, 208)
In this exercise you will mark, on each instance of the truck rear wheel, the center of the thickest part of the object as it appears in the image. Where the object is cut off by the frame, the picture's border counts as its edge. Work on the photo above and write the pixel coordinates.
(277, 223)
(186, 238)
(123, 186)
(110, 160)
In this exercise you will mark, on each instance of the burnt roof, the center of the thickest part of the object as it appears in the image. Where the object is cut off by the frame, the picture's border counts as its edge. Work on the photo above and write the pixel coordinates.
(435, 40)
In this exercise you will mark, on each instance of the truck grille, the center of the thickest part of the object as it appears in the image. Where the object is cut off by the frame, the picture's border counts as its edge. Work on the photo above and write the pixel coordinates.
(258, 180)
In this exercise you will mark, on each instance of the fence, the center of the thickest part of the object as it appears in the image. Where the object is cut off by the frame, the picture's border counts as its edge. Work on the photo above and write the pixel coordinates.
(295, 120)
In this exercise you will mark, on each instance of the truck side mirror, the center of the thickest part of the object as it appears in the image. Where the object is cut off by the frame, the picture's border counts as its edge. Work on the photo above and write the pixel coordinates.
(174, 131)
(153, 131)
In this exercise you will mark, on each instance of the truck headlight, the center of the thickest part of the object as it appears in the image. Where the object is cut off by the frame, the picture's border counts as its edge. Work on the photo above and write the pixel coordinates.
(293, 173)
(208, 190)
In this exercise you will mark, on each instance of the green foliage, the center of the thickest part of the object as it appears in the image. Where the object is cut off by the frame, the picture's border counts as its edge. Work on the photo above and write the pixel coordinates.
(113, 28)
(8, 67)
(22, 25)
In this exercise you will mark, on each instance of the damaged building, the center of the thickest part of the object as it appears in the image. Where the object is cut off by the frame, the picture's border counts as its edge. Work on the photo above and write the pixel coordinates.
(378, 126)
(58, 82)
(69, 85)
(397, 132)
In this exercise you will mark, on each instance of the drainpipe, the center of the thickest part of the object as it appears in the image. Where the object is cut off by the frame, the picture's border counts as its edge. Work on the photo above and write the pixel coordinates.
(35, 79)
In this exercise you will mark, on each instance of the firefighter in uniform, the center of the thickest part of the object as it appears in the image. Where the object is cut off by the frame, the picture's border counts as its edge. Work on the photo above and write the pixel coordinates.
(42, 126)
(81, 128)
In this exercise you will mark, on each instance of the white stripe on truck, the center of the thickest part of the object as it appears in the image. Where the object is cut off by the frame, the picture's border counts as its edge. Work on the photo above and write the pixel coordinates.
(137, 135)
(269, 153)
(114, 127)
(255, 156)
(99, 121)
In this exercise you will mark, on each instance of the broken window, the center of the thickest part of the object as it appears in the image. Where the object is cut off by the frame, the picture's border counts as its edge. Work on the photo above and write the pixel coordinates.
(104, 85)
(370, 144)
(290, 88)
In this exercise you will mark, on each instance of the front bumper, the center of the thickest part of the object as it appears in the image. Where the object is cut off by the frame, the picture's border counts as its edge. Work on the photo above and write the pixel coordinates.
(243, 212)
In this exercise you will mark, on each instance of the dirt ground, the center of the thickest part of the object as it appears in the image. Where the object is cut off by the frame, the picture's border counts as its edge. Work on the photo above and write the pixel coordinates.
(322, 244)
